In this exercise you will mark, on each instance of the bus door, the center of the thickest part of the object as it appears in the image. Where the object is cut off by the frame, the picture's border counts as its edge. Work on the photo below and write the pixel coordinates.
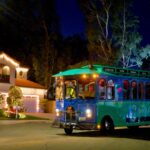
(70, 102)
(87, 100)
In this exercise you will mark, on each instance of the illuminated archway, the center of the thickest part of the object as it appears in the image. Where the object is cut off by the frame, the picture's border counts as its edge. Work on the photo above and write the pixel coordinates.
(6, 70)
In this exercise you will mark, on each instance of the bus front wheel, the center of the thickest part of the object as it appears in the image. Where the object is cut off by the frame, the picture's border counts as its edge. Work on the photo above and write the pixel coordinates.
(107, 126)
(69, 130)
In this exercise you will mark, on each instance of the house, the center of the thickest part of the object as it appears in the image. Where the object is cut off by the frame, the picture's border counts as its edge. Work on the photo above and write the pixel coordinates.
(11, 73)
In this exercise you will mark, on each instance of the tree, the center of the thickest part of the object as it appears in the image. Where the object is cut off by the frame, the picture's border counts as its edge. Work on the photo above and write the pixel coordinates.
(34, 30)
(15, 98)
(1, 99)
(112, 32)
(126, 36)
(98, 19)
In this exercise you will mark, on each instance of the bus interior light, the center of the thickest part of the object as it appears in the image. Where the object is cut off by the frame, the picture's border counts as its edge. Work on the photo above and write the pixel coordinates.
(95, 76)
(84, 76)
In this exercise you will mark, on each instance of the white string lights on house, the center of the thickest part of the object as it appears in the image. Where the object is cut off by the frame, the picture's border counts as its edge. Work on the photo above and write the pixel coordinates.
(6, 58)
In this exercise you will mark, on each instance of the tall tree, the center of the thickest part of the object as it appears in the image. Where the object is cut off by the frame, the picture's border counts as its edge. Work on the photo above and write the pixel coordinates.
(98, 18)
(126, 37)
(36, 25)
(112, 32)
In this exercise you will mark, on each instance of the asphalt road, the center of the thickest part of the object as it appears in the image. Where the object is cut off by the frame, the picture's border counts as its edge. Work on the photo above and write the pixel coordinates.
(39, 135)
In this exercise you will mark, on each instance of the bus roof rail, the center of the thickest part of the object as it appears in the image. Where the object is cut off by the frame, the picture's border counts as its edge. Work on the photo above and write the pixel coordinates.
(98, 69)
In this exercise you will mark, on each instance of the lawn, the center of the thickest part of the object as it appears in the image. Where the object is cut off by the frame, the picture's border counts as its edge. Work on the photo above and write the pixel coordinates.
(27, 117)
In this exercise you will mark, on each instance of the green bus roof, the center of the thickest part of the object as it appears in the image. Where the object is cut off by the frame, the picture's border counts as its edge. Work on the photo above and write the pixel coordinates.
(97, 69)
(77, 71)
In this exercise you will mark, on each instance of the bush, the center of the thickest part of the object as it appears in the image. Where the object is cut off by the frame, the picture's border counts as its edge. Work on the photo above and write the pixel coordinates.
(2, 113)
(43, 103)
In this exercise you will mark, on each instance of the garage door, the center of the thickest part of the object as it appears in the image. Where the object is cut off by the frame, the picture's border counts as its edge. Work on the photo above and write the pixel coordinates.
(31, 103)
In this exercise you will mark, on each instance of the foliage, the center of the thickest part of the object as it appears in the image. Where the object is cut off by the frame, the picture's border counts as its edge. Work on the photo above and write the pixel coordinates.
(15, 95)
(43, 104)
(15, 98)
(112, 33)
(1, 99)
(99, 35)
(2, 113)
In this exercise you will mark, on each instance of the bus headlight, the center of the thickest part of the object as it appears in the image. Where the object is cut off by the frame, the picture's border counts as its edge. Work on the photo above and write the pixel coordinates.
(88, 113)
(57, 112)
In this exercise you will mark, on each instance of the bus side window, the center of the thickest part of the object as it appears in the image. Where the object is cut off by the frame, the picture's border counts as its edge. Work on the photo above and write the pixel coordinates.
(134, 90)
(59, 90)
(141, 90)
(126, 89)
(147, 90)
(102, 88)
(110, 90)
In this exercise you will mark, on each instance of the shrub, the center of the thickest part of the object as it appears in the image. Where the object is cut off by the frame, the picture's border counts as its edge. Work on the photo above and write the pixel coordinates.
(2, 113)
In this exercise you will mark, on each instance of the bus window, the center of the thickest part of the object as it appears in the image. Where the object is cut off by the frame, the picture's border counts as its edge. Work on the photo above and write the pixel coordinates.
(70, 89)
(102, 89)
(147, 90)
(141, 90)
(126, 89)
(86, 89)
(59, 89)
(110, 90)
(134, 90)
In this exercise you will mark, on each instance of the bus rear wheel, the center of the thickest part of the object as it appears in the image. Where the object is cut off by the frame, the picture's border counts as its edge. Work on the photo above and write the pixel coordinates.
(107, 126)
(68, 130)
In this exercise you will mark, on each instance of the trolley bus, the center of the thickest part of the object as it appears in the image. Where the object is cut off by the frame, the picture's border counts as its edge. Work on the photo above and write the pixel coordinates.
(102, 98)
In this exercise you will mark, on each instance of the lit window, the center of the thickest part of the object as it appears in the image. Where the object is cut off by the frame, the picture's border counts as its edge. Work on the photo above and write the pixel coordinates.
(59, 89)
(147, 92)
(86, 89)
(126, 89)
(6, 70)
(110, 90)
(141, 90)
(134, 90)
(102, 89)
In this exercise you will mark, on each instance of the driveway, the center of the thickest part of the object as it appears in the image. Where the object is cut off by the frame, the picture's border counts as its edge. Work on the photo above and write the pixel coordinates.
(39, 135)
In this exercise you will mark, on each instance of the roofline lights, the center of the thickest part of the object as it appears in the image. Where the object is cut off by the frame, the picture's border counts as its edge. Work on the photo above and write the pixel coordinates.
(7, 58)
(22, 69)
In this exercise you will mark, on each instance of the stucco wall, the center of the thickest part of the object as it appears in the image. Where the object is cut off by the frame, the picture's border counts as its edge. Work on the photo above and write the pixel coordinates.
(50, 107)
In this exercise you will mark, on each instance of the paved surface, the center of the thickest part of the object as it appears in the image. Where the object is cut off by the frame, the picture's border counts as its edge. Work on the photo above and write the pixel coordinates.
(39, 135)
(42, 115)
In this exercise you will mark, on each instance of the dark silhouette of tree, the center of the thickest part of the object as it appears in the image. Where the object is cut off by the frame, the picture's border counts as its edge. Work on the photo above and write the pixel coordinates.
(30, 29)
(72, 50)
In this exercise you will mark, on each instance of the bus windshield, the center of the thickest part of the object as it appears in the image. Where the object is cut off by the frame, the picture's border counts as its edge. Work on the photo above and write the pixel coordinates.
(70, 89)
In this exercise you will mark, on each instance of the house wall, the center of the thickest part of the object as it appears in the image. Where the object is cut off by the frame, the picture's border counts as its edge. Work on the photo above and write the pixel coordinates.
(4, 87)
(34, 91)
(31, 96)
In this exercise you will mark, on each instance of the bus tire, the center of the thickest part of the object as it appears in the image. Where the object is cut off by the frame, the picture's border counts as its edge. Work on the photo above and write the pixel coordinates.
(69, 130)
(107, 126)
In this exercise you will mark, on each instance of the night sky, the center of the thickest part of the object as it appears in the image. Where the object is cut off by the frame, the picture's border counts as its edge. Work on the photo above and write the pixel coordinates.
(72, 19)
